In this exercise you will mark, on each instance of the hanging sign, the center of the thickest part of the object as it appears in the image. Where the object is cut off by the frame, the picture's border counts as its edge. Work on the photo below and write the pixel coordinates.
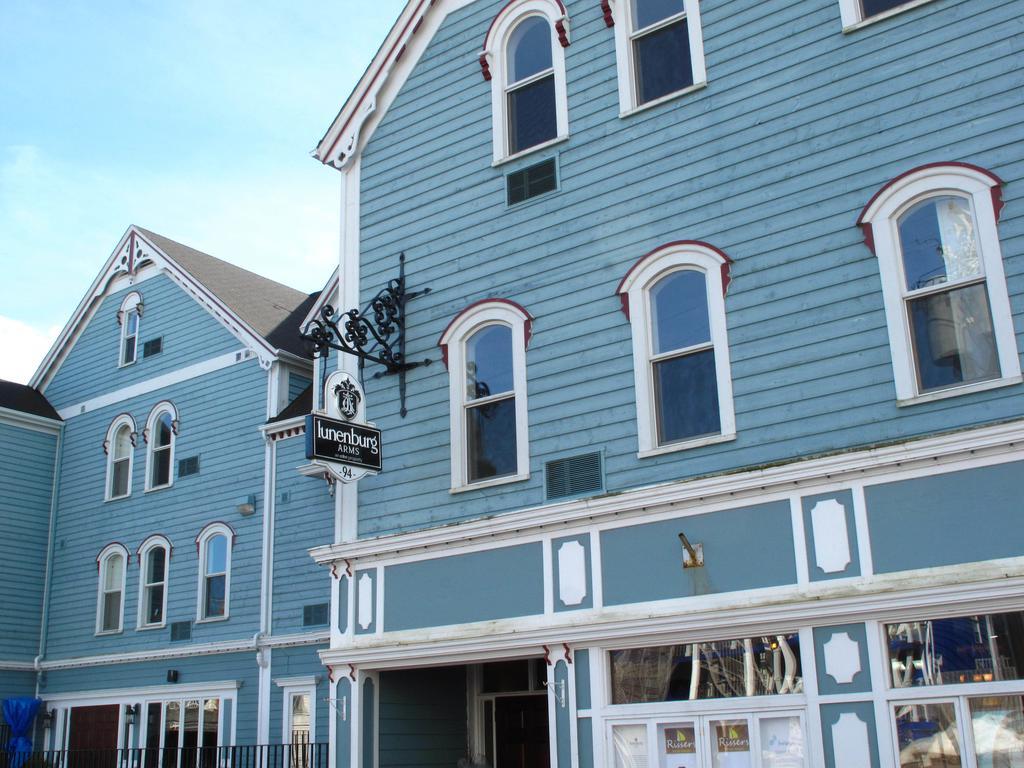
(340, 439)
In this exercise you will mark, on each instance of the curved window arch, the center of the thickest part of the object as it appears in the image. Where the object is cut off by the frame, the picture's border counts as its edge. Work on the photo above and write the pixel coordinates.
(485, 350)
(120, 449)
(524, 47)
(214, 545)
(934, 231)
(674, 297)
(111, 566)
(154, 557)
(129, 316)
(160, 434)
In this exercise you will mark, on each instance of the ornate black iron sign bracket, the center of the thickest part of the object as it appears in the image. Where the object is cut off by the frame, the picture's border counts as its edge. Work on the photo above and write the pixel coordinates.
(375, 334)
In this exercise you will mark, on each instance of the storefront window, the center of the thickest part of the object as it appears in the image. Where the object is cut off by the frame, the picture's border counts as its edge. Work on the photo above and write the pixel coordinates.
(714, 670)
(927, 735)
(997, 723)
(965, 649)
(630, 744)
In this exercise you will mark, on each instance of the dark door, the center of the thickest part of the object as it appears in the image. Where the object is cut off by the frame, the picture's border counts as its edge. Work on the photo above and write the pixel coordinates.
(521, 731)
(92, 742)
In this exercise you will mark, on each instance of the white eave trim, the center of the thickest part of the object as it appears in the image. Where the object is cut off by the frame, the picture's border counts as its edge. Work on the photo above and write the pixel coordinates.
(30, 421)
(182, 689)
(999, 438)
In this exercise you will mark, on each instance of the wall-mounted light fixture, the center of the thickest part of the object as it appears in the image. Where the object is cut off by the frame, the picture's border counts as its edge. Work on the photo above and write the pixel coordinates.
(131, 711)
(247, 505)
(49, 717)
(172, 675)
(693, 555)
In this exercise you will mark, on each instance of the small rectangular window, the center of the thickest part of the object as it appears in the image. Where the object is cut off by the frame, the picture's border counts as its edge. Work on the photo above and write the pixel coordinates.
(153, 347)
(532, 181)
(315, 615)
(188, 466)
(181, 630)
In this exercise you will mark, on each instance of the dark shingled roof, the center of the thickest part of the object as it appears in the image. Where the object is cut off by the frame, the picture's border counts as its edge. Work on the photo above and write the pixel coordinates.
(300, 406)
(268, 307)
(19, 397)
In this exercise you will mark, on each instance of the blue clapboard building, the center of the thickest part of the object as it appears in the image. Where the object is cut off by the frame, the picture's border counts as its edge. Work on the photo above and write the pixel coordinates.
(692, 329)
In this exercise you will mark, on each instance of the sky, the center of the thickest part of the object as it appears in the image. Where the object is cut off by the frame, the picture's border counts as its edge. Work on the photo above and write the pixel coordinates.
(192, 119)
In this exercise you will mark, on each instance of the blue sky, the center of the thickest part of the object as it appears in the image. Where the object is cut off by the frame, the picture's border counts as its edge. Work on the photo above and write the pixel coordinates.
(193, 119)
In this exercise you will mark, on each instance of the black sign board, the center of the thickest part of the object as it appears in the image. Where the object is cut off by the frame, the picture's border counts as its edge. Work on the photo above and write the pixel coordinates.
(342, 443)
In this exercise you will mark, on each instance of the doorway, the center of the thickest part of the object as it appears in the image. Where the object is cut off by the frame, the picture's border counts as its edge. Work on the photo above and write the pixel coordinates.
(521, 732)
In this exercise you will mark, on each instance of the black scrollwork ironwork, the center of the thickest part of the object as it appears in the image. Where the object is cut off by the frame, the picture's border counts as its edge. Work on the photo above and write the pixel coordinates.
(375, 333)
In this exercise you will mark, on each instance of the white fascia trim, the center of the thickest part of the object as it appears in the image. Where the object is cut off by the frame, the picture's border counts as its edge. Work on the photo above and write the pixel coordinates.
(298, 681)
(17, 666)
(328, 295)
(268, 430)
(29, 421)
(936, 592)
(993, 440)
(171, 690)
(157, 382)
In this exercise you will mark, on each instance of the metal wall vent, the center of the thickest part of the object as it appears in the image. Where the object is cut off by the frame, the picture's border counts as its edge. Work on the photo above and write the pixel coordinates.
(574, 475)
(153, 347)
(188, 466)
(315, 615)
(532, 181)
(181, 630)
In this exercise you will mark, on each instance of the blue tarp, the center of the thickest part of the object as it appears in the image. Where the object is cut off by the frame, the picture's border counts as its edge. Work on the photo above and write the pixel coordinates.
(19, 714)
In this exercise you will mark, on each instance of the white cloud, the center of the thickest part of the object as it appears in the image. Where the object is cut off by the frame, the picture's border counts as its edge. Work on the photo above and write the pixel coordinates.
(22, 348)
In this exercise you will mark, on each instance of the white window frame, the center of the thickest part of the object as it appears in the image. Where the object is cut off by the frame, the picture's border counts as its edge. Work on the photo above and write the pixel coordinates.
(625, 66)
(102, 563)
(471, 320)
(853, 18)
(495, 47)
(676, 257)
(202, 540)
(132, 304)
(156, 541)
(290, 687)
(880, 222)
(123, 420)
(150, 435)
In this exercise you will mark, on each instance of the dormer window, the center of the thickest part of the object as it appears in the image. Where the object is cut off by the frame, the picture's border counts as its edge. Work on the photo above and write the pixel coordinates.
(524, 47)
(129, 317)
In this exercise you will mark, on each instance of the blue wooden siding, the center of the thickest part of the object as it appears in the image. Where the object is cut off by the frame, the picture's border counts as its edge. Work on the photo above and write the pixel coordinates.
(16, 683)
(220, 414)
(26, 488)
(299, 661)
(772, 162)
(304, 515)
(297, 384)
(423, 717)
(190, 334)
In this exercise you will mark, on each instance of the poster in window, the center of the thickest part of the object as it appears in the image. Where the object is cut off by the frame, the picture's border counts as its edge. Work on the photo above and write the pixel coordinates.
(679, 746)
(731, 745)
(630, 743)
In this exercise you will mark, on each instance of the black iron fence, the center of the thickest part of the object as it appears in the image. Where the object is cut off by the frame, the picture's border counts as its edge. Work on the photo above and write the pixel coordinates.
(300, 755)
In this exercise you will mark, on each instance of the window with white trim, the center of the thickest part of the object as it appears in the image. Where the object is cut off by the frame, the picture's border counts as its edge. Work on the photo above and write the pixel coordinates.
(947, 309)
(855, 12)
(215, 543)
(129, 317)
(659, 50)
(120, 446)
(154, 560)
(523, 58)
(676, 307)
(161, 430)
(486, 354)
(112, 564)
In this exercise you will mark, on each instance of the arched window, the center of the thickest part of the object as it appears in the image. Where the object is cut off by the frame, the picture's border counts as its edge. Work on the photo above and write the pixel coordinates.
(935, 235)
(119, 446)
(154, 561)
(129, 317)
(674, 297)
(161, 430)
(111, 563)
(485, 348)
(659, 50)
(524, 48)
(214, 544)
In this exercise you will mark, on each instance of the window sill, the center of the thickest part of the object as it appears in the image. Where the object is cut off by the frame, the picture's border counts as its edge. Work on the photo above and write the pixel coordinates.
(529, 151)
(148, 627)
(211, 620)
(489, 483)
(967, 389)
(673, 447)
(118, 498)
(667, 98)
(159, 487)
(884, 15)
(109, 632)
(126, 365)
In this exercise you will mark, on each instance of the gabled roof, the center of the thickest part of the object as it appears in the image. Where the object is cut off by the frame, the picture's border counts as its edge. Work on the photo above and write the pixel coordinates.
(265, 315)
(300, 406)
(18, 397)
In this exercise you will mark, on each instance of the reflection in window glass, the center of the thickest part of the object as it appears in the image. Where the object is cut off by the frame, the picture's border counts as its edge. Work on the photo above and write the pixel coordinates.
(172, 725)
(630, 745)
(679, 311)
(662, 60)
(648, 12)
(730, 743)
(490, 426)
(722, 669)
(160, 460)
(927, 735)
(156, 564)
(782, 742)
(113, 573)
(530, 85)
(489, 362)
(120, 460)
(529, 49)
(216, 576)
(938, 243)
(998, 726)
(965, 649)
(875, 7)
